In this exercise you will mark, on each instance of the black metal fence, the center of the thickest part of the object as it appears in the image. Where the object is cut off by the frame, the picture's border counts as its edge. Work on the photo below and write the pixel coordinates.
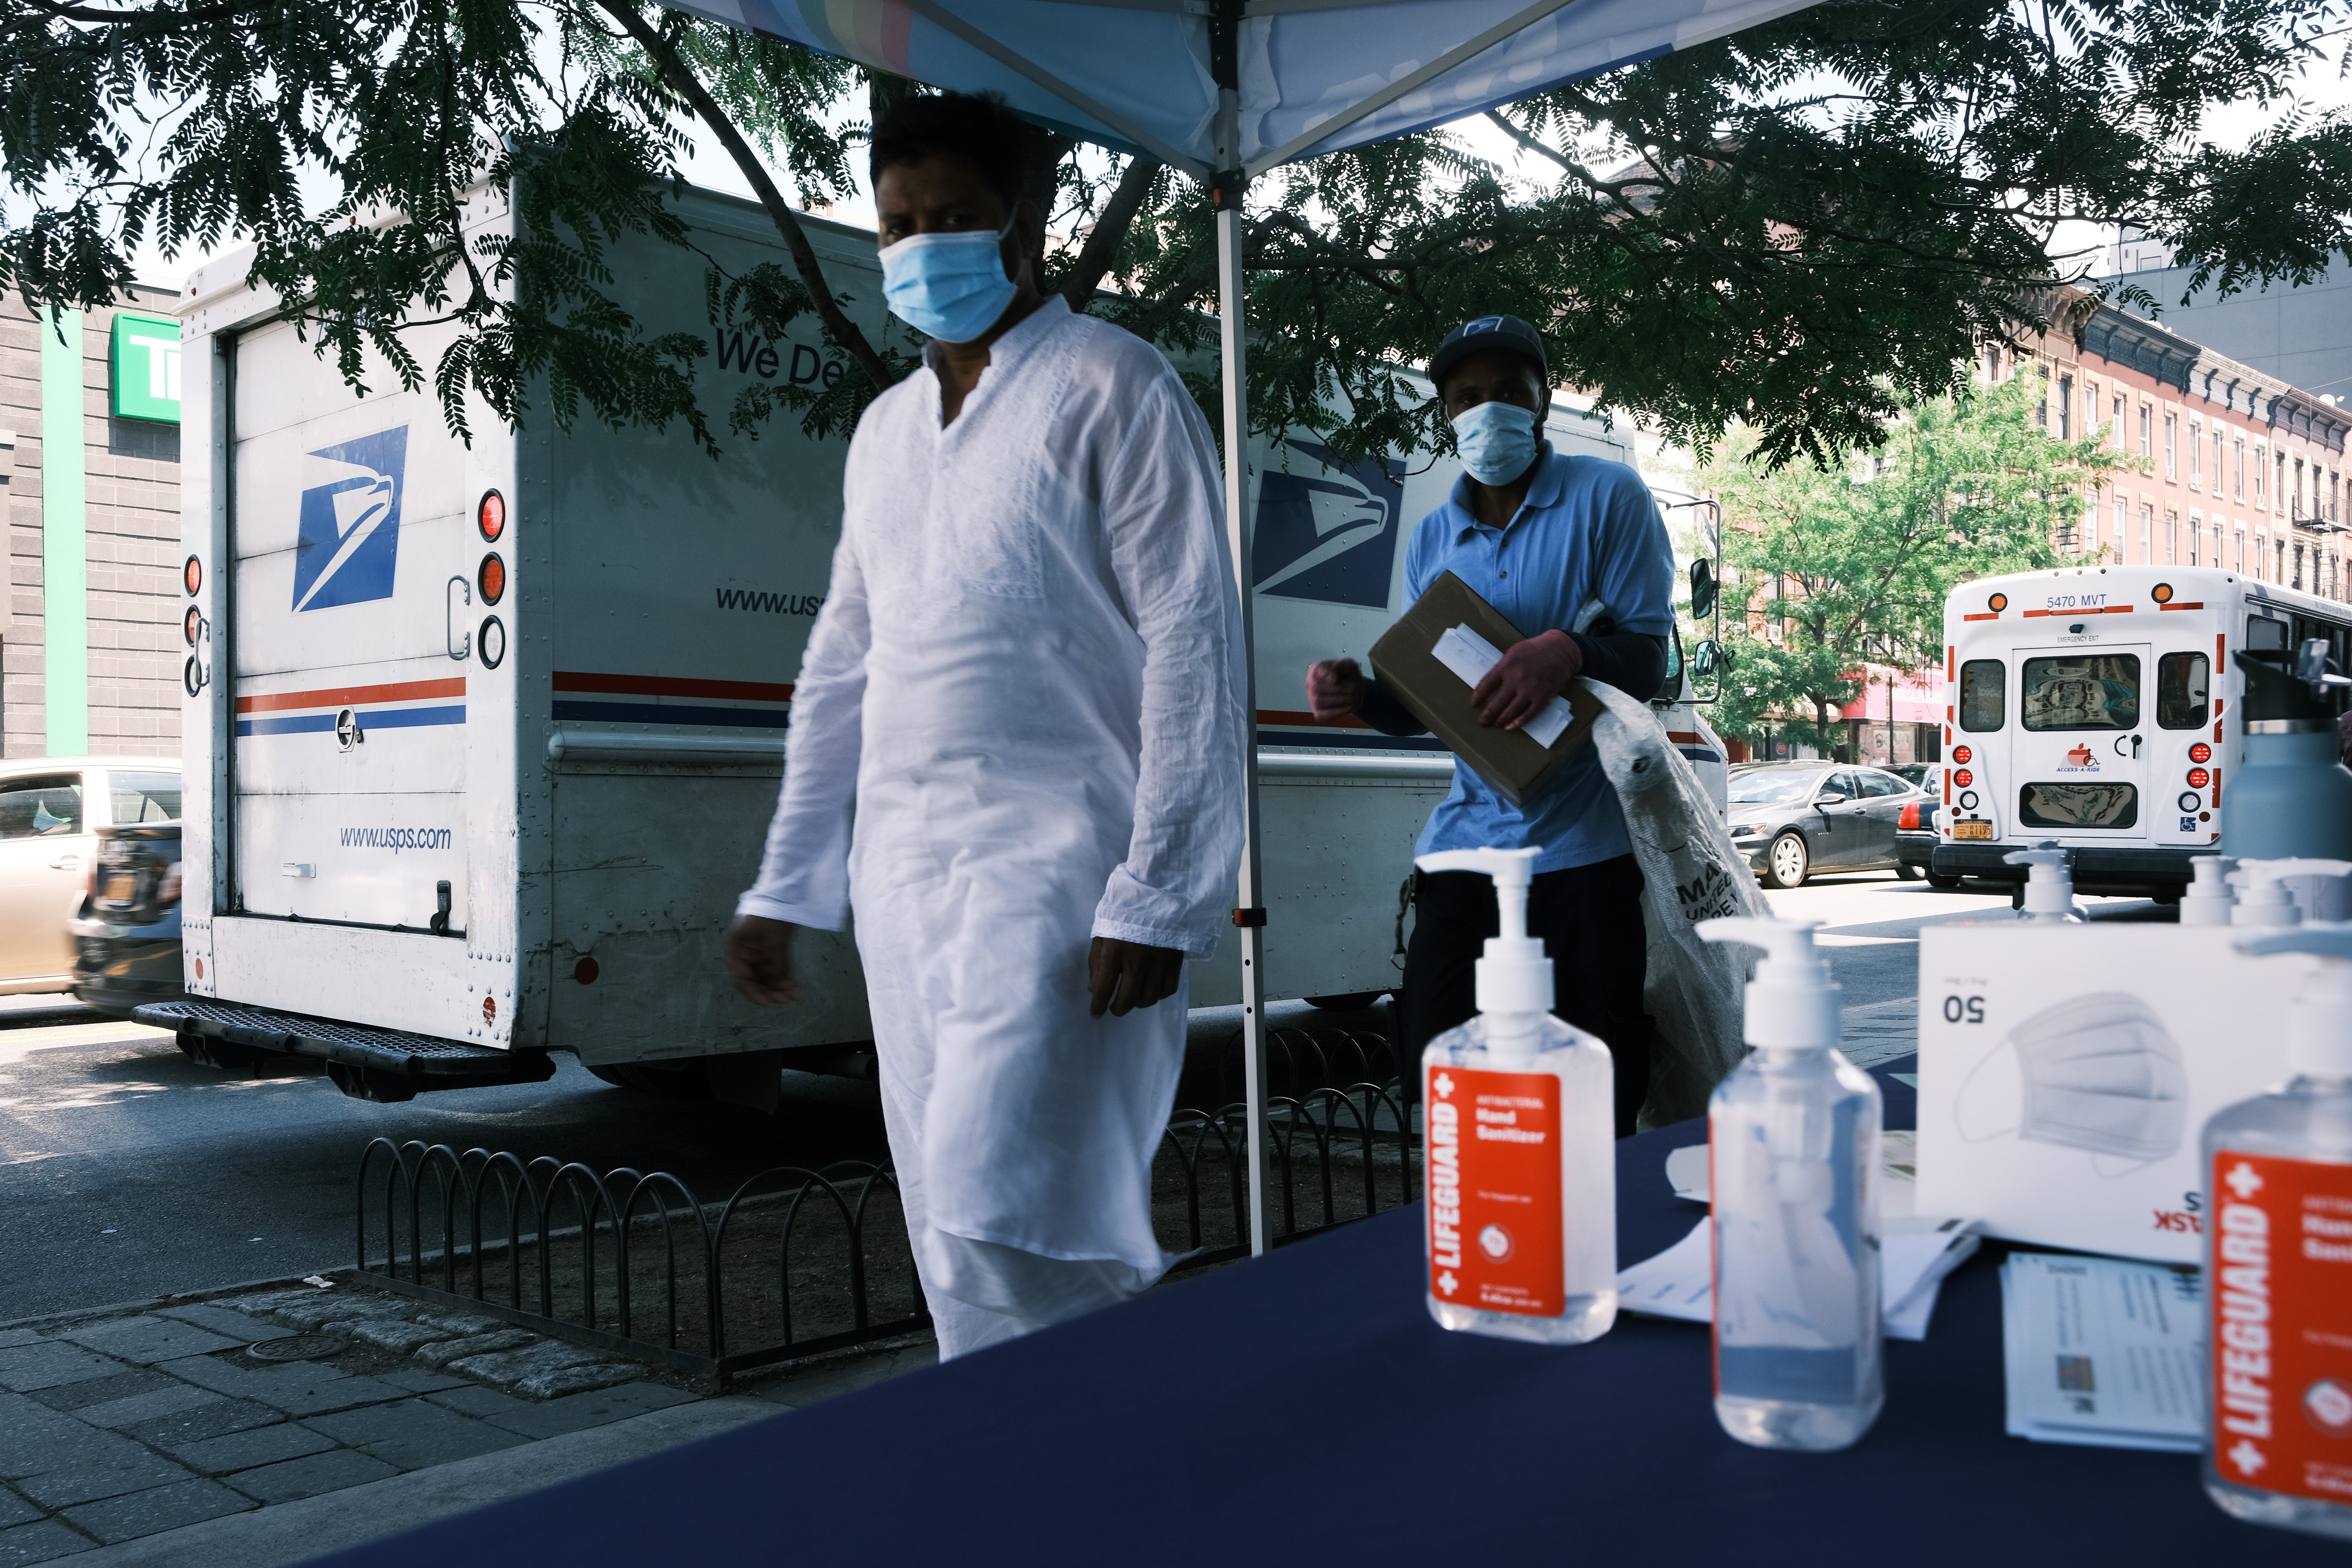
(1340, 1144)
(798, 1262)
(794, 1263)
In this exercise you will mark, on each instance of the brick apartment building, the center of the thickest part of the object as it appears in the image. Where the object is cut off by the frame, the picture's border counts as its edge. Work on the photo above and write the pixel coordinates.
(2241, 469)
(91, 641)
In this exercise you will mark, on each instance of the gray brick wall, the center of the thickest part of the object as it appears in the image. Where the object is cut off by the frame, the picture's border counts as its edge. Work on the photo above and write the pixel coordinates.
(133, 533)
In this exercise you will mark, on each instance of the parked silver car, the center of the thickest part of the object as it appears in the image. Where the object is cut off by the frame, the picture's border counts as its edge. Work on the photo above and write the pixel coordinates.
(50, 811)
(1792, 819)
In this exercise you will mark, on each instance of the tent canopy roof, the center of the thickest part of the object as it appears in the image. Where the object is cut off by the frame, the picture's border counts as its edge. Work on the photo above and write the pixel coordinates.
(1316, 75)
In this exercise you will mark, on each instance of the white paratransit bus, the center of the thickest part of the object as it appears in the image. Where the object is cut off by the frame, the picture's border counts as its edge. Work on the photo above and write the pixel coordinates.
(2099, 706)
(482, 741)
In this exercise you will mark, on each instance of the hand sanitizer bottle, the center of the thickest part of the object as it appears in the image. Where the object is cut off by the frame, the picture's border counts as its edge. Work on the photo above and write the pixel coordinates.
(1792, 1147)
(2210, 899)
(1519, 1136)
(2048, 897)
(2278, 1263)
(2269, 901)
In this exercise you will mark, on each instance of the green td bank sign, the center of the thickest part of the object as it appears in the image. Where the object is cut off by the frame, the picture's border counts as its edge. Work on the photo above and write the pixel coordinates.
(146, 367)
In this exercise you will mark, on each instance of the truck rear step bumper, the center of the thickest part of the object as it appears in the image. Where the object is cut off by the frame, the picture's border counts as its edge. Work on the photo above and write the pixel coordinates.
(366, 1064)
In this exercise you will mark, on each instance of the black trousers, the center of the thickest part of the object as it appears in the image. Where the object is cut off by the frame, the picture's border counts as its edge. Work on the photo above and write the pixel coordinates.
(1590, 921)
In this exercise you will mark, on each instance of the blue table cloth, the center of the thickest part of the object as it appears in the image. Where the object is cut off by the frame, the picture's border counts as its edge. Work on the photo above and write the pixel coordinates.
(1302, 1407)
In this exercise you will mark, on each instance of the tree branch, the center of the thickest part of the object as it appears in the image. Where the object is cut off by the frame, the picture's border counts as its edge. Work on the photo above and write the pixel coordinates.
(687, 86)
(1085, 274)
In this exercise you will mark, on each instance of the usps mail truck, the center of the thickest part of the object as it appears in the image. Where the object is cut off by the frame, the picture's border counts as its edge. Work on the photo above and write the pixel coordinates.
(483, 739)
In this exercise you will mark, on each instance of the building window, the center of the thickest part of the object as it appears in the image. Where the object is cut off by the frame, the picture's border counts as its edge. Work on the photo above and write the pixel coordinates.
(2217, 541)
(2196, 456)
(2278, 491)
(2297, 491)
(2146, 540)
(2119, 525)
(2242, 552)
(2146, 431)
(2258, 476)
(2220, 460)
(2170, 467)
(2119, 422)
(2196, 536)
(2041, 408)
(2065, 408)
(2241, 468)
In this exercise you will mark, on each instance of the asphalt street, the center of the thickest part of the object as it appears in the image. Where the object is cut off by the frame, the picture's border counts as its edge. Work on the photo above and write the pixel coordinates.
(1870, 922)
(127, 1171)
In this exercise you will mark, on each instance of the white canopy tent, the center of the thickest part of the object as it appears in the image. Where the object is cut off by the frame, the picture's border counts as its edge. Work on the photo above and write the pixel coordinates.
(1226, 89)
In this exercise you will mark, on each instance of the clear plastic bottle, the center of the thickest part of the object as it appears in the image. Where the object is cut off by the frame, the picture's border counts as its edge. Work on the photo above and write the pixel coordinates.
(1793, 1136)
(2278, 1264)
(1519, 1139)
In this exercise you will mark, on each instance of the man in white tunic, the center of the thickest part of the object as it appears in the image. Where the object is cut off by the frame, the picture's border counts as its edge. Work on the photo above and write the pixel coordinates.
(1026, 677)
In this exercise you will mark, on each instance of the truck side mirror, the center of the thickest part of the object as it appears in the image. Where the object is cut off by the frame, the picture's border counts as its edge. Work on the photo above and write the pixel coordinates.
(1702, 590)
(1705, 657)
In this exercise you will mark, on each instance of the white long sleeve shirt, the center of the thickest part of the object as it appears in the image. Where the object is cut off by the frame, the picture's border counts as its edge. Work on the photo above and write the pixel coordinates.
(1031, 624)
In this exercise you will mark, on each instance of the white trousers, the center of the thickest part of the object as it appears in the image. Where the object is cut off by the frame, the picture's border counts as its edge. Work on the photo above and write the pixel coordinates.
(983, 1293)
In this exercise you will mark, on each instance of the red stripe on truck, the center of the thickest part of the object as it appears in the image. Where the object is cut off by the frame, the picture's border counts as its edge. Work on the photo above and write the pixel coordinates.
(352, 696)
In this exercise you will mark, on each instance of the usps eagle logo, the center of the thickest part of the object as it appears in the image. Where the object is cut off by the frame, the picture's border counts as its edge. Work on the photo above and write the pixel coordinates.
(1324, 531)
(350, 536)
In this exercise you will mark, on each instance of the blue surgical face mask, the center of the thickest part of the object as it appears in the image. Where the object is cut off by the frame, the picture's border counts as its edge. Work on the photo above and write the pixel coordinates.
(1497, 441)
(949, 286)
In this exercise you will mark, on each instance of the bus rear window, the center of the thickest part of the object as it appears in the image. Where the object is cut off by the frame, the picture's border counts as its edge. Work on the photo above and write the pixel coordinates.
(1981, 684)
(2181, 680)
(2081, 691)
(2078, 805)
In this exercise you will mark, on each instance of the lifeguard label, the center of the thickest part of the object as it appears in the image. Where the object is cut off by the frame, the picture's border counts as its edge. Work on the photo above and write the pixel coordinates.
(1495, 1226)
(2281, 1295)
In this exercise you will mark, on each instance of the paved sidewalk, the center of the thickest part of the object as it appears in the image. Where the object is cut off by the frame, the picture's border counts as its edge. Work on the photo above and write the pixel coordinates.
(162, 1426)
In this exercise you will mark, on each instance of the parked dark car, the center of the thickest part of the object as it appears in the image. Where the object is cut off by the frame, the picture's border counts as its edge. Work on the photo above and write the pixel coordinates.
(1917, 833)
(126, 934)
(1792, 819)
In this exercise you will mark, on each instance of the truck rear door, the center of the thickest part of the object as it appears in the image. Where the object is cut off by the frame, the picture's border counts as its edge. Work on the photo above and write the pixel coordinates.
(348, 766)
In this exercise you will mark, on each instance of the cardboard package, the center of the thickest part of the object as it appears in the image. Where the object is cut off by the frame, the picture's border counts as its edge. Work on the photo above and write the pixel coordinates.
(2066, 1074)
(1409, 663)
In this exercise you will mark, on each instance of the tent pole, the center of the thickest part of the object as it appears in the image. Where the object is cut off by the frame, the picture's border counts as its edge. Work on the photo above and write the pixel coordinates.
(1249, 914)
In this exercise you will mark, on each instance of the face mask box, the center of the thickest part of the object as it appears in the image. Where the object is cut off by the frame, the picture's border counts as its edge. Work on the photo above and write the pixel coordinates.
(1407, 661)
(2066, 1071)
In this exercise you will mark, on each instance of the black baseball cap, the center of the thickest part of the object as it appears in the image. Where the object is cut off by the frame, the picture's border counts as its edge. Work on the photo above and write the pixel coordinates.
(1507, 332)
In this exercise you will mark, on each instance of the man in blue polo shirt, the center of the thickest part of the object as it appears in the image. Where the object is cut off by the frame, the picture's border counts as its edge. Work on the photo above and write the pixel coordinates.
(1572, 551)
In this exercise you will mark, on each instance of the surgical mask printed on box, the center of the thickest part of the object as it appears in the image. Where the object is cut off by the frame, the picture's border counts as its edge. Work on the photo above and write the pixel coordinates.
(2064, 1072)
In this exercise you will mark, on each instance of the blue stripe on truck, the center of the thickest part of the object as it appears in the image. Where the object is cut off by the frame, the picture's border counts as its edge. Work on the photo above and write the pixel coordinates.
(382, 719)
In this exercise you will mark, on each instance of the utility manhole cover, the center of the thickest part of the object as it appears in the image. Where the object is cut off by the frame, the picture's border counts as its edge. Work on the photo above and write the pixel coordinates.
(298, 1347)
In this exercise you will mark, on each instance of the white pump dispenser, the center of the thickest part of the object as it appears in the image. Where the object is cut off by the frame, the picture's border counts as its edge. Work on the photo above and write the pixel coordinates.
(1520, 1131)
(2277, 1173)
(2209, 899)
(1515, 984)
(2049, 885)
(1793, 1136)
(2268, 900)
